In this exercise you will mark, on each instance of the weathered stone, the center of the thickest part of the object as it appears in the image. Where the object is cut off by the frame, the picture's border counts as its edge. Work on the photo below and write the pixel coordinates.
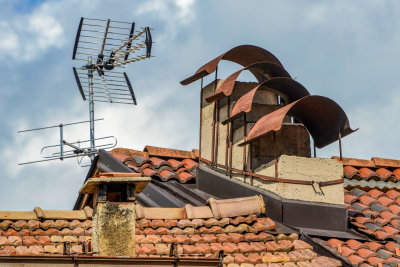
(113, 230)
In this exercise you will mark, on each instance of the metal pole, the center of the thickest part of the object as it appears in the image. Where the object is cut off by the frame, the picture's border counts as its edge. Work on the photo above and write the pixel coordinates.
(61, 142)
(91, 108)
(315, 149)
(275, 159)
(201, 116)
(340, 143)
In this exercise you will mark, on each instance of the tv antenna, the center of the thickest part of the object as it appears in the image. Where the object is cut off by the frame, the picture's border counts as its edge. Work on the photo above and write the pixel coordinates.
(105, 45)
(112, 43)
(65, 150)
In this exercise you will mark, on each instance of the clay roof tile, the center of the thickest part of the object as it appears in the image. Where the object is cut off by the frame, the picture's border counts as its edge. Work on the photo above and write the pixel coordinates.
(384, 173)
(367, 173)
(349, 171)
(167, 152)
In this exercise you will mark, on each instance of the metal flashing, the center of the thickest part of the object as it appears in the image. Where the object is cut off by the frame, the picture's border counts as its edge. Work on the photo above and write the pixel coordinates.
(302, 214)
(348, 234)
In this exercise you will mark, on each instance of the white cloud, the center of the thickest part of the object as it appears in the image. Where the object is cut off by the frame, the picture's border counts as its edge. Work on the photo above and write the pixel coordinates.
(172, 13)
(26, 37)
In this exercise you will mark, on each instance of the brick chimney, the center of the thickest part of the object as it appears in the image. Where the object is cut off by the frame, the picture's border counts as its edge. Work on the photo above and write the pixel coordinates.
(114, 211)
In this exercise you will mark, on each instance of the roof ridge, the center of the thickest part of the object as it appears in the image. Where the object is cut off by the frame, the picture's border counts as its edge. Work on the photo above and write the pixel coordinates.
(217, 209)
(170, 152)
(40, 214)
(374, 162)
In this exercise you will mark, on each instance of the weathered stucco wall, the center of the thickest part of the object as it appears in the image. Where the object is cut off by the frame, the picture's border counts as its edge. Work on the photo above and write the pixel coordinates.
(292, 140)
(306, 169)
(206, 121)
(114, 229)
(207, 109)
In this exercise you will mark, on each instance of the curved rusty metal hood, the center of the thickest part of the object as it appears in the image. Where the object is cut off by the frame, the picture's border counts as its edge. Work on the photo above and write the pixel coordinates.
(261, 70)
(321, 116)
(287, 88)
(242, 54)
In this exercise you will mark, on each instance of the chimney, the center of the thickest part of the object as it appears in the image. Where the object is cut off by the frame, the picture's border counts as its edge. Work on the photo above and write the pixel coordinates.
(259, 134)
(114, 211)
(227, 145)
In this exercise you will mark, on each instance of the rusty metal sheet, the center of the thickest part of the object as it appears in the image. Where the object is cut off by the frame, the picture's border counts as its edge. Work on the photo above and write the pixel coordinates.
(321, 116)
(287, 88)
(261, 70)
(242, 54)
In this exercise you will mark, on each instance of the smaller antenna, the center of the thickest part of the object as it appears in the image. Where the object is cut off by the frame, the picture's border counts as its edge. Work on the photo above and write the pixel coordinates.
(65, 150)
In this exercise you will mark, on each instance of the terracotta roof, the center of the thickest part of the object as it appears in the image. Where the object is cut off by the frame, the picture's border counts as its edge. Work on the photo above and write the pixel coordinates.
(196, 231)
(160, 163)
(41, 232)
(364, 253)
(376, 212)
(379, 169)
(247, 239)
(373, 212)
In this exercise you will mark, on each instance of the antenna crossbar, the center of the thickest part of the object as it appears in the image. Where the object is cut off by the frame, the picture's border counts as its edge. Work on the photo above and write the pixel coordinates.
(54, 126)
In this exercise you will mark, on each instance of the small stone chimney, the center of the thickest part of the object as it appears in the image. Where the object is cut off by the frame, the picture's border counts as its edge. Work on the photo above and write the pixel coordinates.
(114, 211)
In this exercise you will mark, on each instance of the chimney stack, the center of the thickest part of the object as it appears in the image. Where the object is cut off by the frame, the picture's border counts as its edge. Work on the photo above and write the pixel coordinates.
(114, 211)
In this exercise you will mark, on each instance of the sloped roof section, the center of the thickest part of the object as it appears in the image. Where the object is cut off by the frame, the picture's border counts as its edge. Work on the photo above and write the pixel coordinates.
(322, 117)
(241, 234)
(364, 253)
(375, 169)
(245, 240)
(376, 212)
(43, 232)
(160, 163)
(373, 212)
(243, 55)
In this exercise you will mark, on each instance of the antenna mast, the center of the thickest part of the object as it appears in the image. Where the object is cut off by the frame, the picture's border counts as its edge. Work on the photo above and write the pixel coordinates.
(103, 45)
(109, 49)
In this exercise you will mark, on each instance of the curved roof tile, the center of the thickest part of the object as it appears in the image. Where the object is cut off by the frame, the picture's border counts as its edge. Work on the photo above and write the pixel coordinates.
(321, 116)
(242, 54)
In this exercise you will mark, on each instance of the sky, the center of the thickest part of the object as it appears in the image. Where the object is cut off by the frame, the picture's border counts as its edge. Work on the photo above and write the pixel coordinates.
(345, 50)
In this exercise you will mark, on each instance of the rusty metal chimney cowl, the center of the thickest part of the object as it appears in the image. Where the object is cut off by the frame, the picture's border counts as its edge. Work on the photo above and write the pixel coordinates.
(114, 212)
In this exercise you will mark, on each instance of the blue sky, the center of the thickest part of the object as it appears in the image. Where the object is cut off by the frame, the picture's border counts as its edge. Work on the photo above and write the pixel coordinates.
(345, 50)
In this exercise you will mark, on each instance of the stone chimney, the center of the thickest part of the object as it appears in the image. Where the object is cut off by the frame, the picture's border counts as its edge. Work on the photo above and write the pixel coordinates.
(258, 135)
(114, 211)
(284, 154)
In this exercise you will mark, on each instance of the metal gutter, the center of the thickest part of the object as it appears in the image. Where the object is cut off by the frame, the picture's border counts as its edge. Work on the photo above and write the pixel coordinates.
(51, 260)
